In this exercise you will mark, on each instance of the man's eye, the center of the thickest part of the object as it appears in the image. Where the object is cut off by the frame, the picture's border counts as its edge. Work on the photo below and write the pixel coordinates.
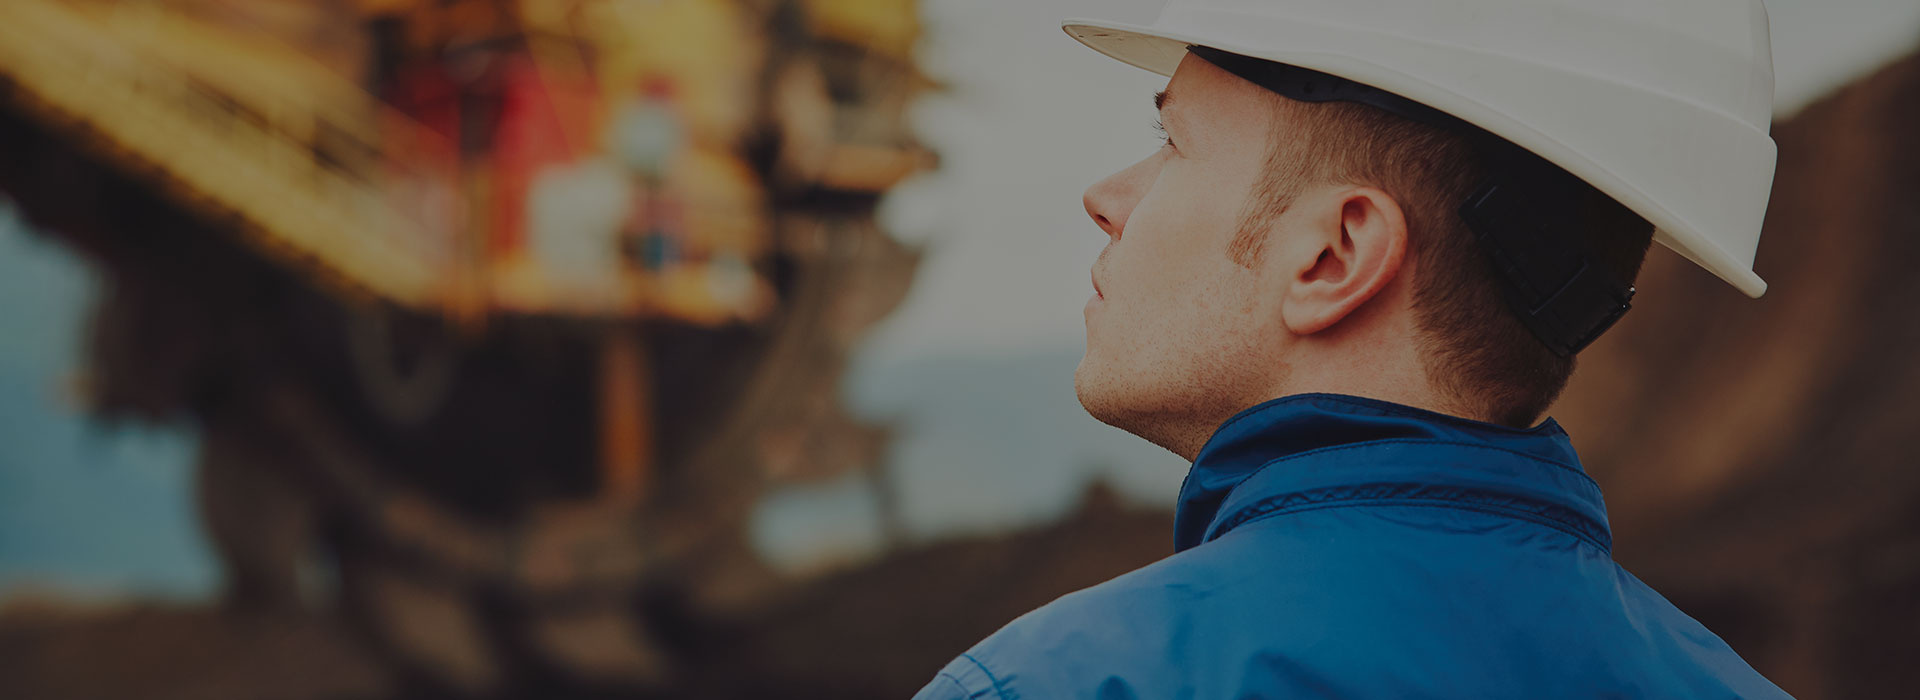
(1161, 129)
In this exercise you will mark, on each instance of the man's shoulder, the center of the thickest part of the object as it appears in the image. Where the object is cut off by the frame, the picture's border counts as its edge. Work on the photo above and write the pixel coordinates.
(1154, 632)
(1326, 607)
(1115, 635)
(1259, 607)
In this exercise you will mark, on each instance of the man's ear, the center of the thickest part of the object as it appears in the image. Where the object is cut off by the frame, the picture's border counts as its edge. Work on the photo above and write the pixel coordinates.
(1354, 246)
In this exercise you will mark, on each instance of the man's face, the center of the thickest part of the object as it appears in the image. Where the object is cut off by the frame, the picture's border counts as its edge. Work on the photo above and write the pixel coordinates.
(1178, 336)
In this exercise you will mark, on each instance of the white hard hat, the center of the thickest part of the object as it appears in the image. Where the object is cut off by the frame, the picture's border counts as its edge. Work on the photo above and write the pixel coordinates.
(1663, 105)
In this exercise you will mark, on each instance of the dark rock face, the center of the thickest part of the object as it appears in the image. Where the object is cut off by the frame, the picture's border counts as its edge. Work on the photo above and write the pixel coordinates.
(1758, 455)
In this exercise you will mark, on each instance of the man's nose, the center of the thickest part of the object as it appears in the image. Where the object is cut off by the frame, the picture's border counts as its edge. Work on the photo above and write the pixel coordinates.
(1110, 201)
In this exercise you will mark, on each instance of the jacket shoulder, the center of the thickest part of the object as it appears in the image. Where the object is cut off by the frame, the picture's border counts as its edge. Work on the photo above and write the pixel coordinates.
(1149, 633)
(1373, 602)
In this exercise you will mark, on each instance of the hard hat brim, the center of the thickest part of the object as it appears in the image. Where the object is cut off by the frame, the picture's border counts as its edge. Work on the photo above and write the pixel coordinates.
(1160, 50)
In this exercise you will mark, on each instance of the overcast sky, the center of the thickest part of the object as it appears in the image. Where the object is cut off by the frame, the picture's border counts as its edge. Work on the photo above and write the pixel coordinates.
(1033, 118)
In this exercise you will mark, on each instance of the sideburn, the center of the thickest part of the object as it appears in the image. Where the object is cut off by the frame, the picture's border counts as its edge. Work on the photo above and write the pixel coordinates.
(1271, 197)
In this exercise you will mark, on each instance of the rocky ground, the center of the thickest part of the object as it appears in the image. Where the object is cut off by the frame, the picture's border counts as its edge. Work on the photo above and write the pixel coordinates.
(167, 652)
(878, 631)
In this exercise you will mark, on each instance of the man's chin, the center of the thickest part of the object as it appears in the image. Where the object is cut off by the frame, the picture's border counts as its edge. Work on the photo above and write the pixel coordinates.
(1111, 398)
(1093, 385)
(1083, 381)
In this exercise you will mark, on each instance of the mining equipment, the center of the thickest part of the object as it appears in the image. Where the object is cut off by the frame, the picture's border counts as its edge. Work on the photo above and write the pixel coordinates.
(494, 317)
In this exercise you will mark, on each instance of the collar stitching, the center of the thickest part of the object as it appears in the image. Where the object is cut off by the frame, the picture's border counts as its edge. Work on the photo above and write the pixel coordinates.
(1571, 469)
(1556, 516)
(1546, 427)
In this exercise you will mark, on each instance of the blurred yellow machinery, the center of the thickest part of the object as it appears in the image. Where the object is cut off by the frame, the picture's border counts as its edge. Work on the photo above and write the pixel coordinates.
(314, 168)
(512, 306)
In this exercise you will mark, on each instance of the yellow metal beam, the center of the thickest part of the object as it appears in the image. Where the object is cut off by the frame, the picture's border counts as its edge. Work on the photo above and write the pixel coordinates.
(233, 142)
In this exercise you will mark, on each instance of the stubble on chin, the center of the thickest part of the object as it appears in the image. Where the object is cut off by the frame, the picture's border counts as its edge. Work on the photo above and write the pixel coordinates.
(1174, 417)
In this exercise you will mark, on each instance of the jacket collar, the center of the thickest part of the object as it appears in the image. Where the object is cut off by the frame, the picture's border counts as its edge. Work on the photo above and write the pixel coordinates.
(1311, 449)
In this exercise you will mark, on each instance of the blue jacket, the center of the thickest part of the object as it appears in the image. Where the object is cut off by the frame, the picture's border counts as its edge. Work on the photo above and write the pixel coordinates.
(1333, 546)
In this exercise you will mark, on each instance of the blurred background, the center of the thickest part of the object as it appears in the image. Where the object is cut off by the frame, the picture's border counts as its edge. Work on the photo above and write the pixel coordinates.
(724, 348)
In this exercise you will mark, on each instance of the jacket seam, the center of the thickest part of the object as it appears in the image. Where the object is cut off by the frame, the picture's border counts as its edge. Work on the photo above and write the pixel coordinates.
(992, 681)
(1570, 469)
(955, 680)
(1383, 407)
(1390, 408)
(1493, 510)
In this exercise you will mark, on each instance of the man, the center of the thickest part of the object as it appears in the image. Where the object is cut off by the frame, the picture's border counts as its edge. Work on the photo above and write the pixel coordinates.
(1355, 272)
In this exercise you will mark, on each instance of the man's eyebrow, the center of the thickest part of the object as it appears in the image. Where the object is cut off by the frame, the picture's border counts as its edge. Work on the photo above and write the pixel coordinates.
(1160, 100)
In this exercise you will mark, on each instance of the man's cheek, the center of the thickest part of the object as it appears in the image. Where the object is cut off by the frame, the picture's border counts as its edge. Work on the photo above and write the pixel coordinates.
(1168, 271)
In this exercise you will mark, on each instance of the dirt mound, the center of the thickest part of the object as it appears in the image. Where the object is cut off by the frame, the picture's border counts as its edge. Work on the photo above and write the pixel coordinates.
(161, 652)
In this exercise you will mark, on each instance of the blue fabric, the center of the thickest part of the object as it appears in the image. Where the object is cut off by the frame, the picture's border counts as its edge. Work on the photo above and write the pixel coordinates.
(1334, 546)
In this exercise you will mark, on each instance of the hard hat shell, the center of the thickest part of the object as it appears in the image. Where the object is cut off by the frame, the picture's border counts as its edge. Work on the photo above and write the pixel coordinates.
(1663, 105)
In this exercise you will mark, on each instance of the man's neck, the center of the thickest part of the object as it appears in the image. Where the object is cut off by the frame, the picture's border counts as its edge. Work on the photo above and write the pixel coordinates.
(1351, 375)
